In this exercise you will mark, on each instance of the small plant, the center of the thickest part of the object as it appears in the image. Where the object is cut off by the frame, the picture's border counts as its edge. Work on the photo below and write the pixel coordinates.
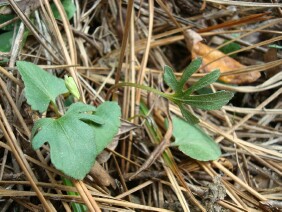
(181, 98)
(76, 137)
(189, 137)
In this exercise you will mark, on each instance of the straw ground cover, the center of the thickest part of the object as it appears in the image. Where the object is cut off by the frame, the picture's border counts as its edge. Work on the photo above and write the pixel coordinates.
(103, 43)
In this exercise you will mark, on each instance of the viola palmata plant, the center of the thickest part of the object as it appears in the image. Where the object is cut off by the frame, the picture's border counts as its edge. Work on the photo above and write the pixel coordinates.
(181, 98)
(189, 137)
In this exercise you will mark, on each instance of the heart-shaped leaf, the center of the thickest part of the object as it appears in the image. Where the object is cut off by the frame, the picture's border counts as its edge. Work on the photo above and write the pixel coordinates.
(77, 138)
(192, 141)
(40, 86)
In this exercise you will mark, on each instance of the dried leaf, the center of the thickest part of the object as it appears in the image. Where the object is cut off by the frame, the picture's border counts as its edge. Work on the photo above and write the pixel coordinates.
(224, 64)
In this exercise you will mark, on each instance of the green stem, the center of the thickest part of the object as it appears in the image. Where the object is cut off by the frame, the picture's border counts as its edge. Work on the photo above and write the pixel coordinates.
(143, 87)
(56, 110)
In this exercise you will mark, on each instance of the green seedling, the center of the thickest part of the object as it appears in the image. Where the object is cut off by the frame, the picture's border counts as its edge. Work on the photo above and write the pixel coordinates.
(76, 137)
(182, 98)
(189, 137)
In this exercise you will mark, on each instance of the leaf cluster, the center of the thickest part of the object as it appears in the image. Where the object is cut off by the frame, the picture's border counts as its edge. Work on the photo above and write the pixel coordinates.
(182, 97)
(78, 136)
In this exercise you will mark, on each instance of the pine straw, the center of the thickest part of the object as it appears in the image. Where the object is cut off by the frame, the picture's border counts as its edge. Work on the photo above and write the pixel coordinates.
(109, 42)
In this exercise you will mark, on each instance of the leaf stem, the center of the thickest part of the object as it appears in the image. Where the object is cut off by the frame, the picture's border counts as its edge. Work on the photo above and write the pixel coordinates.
(143, 87)
(55, 109)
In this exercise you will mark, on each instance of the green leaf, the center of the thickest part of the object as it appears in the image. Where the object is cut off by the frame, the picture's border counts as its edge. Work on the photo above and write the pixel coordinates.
(75, 143)
(189, 117)
(203, 82)
(38, 124)
(231, 47)
(81, 108)
(6, 40)
(110, 113)
(170, 78)
(191, 69)
(68, 6)
(212, 101)
(192, 141)
(40, 86)
(72, 142)
(7, 17)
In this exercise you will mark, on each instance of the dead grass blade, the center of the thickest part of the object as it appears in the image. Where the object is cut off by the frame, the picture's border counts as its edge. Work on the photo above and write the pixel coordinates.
(245, 3)
(17, 152)
(146, 53)
(124, 38)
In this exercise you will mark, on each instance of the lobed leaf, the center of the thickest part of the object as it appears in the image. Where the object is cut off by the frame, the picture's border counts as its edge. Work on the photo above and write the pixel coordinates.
(212, 101)
(170, 78)
(75, 144)
(192, 141)
(40, 86)
(191, 69)
(203, 82)
(72, 143)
